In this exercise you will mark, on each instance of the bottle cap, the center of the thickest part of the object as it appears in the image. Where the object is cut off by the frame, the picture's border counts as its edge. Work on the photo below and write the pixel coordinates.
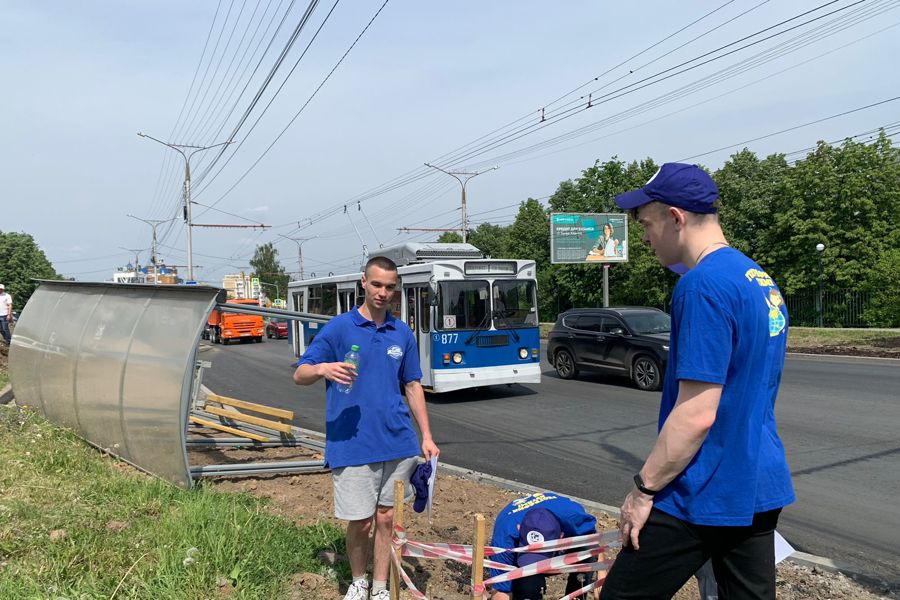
(354, 347)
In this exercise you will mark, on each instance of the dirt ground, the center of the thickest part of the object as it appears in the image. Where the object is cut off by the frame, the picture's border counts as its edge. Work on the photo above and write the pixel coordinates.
(307, 498)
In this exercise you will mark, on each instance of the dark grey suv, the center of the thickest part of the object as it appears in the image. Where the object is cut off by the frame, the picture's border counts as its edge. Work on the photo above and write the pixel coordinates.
(629, 341)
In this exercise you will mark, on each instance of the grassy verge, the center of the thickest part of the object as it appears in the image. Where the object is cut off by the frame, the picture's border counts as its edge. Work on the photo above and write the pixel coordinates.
(814, 336)
(76, 525)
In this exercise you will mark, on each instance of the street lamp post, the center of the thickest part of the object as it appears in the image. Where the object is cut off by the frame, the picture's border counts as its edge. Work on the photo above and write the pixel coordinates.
(463, 178)
(299, 242)
(819, 249)
(187, 188)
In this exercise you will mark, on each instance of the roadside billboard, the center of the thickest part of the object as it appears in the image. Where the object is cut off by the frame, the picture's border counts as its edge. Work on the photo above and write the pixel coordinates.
(588, 238)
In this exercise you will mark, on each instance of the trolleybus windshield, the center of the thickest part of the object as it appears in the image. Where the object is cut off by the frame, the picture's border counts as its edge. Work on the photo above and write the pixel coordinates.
(514, 304)
(463, 305)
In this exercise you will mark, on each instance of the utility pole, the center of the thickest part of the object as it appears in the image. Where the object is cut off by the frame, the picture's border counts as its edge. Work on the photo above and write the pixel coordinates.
(137, 254)
(463, 178)
(299, 242)
(187, 188)
(153, 223)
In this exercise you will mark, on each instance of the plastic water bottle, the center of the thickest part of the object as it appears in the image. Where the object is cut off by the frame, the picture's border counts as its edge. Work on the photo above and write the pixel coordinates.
(351, 357)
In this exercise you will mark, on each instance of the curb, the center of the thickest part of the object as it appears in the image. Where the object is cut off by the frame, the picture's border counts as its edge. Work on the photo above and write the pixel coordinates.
(840, 357)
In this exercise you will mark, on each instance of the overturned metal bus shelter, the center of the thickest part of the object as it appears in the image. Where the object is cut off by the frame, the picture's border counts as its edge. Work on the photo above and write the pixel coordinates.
(118, 364)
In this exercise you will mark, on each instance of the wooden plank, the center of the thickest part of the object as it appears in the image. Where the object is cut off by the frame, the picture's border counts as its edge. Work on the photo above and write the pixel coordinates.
(239, 416)
(227, 429)
(266, 410)
(399, 488)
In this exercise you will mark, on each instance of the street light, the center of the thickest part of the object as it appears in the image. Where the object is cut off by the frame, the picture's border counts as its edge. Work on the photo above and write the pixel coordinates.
(820, 247)
(463, 178)
(187, 187)
(299, 241)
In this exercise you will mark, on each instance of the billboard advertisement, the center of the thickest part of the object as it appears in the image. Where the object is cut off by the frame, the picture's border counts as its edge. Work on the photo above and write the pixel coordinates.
(588, 238)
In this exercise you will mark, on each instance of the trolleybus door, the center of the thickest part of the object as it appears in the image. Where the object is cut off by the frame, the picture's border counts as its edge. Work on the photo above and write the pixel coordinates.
(418, 317)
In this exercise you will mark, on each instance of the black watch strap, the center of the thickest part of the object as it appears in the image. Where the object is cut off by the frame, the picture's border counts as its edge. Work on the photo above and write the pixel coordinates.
(639, 484)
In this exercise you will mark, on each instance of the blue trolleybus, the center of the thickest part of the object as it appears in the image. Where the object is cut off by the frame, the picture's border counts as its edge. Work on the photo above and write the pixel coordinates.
(475, 319)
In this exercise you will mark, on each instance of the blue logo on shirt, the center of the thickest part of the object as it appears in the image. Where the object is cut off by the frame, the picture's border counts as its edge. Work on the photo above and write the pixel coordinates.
(395, 352)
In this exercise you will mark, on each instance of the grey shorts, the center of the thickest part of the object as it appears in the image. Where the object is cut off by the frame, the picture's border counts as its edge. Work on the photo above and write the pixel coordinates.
(359, 489)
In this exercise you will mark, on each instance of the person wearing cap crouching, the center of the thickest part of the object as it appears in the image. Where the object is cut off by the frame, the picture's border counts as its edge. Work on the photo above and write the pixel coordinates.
(6, 309)
(541, 517)
(716, 479)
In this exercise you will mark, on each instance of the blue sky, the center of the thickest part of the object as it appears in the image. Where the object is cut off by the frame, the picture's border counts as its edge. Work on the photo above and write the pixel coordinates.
(82, 78)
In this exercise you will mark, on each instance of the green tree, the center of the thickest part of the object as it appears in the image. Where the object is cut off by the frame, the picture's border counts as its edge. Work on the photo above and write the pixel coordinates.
(883, 287)
(528, 237)
(490, 239)
(847, 198)
(267, 268)
(747, 187)
(449, 237)
(22, 261)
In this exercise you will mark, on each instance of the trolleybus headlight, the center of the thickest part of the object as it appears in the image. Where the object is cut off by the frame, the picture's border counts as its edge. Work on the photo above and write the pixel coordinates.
(523, 353)
(457, 358)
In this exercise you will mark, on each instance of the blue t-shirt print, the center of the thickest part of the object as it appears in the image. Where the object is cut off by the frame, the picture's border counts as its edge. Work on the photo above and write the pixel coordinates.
(371, 423)
(729, 327)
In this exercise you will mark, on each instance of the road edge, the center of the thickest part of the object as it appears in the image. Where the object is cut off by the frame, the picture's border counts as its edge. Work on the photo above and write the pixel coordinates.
(801, 558)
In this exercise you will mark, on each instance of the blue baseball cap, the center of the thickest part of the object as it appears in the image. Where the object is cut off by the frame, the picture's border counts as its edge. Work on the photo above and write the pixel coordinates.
(676, 184)
(538, 525)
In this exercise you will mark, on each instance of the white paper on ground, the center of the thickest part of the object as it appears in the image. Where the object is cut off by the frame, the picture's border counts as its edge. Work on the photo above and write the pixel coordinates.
(434, 465)
(782, 548)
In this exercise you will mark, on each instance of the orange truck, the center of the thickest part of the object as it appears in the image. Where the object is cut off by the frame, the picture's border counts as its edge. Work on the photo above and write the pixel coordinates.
(224, 326)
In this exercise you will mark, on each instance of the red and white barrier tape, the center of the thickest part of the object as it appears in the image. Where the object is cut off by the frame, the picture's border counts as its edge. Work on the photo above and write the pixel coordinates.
(596, 544)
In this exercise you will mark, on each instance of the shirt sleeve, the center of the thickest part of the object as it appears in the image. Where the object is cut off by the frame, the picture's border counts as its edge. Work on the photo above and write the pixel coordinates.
(705, 338)
(410, 369)
(321, 350)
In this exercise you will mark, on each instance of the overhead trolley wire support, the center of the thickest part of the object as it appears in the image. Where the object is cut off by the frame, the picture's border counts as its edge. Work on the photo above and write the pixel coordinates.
(187, 187)
(463, 178)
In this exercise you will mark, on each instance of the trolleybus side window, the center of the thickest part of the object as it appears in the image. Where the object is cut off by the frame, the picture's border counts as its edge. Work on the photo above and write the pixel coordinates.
(424, 311)
(514, 304)
(315, 299)
(412, 310)
(329, 299)
(463, 305)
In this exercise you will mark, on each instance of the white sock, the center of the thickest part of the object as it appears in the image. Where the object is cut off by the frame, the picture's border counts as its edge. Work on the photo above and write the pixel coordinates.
(377, 586)
(361, 580)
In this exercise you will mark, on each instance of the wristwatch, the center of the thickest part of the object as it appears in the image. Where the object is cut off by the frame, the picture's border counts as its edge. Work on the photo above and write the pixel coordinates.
(639, 484)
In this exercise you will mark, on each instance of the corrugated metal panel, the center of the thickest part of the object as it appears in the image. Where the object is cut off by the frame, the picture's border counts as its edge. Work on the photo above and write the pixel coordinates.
(114, 362)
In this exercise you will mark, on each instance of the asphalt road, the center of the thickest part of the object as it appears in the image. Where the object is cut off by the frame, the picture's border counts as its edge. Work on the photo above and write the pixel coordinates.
(838, 419)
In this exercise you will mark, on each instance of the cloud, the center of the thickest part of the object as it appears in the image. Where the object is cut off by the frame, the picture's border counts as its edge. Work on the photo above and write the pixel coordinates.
(258, 209)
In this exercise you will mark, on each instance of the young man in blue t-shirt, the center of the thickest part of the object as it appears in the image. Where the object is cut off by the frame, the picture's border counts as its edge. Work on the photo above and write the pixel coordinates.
(716, 479)
(540, 517)
(369, 439)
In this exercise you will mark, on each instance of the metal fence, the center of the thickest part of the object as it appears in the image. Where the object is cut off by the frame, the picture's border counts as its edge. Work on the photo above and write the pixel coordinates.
(815, 308)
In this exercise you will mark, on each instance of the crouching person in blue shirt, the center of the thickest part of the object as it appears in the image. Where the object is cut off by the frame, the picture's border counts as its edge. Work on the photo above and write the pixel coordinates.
(537, 518)
(369, 438)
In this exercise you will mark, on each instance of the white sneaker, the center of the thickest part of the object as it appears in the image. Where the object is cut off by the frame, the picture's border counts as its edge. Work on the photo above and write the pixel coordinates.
(381, 595)
(358, 590)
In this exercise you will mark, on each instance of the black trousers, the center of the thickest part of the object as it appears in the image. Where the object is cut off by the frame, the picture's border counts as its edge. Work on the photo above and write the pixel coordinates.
(533, 588)
(672, 550)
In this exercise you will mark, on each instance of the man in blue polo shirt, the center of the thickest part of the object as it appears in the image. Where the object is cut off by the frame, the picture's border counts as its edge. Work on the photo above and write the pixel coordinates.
(716, 479)
(540, 517)
(369, 438)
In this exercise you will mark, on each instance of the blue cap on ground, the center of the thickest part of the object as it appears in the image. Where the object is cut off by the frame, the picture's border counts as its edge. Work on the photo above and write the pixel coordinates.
(684, 186)
(419, 481)
(538, 525)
